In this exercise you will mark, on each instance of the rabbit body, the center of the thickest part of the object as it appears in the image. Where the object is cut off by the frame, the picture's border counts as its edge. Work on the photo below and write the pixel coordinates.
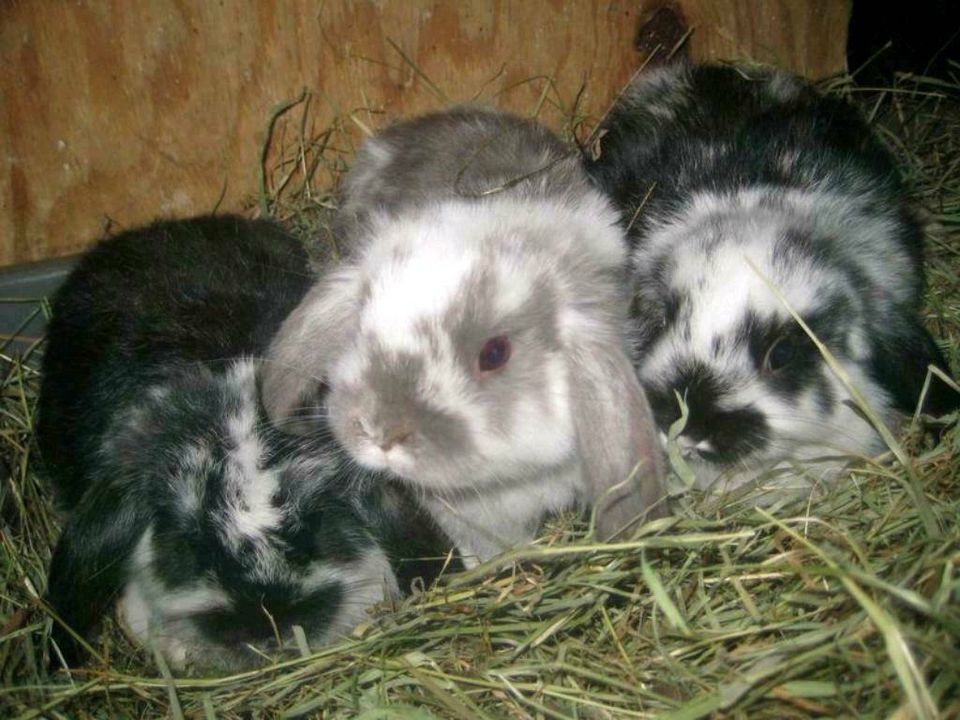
(216, 531)
(481, 312)
(730, 180)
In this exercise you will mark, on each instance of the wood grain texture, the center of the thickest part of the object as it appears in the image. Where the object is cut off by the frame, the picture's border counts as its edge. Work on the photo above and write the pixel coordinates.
(809, 37)
(120, 112)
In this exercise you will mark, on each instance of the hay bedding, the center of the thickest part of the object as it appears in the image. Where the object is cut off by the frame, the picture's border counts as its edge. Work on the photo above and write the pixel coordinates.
(850, 607)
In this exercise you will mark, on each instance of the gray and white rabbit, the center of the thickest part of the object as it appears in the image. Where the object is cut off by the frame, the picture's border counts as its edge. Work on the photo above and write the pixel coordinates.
(714, 168)
(215, 532)
(473, 339)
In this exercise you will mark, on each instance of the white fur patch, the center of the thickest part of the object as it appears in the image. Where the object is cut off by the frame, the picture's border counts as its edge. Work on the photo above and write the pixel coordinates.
(513, 285)
(416, 288)
(189, 485)
(366, 582)
(249, 487)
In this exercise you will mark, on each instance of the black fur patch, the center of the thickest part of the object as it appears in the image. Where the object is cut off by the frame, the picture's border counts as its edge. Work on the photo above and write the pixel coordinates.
(733, 433)
(259, 614)
(806, 368)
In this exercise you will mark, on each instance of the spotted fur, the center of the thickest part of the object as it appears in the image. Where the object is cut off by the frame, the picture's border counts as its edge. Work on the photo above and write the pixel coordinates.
(216, 532)
(729, 179)
(463, 226)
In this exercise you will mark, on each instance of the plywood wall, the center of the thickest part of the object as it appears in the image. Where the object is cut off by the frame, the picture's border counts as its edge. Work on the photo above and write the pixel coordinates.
(115, 112)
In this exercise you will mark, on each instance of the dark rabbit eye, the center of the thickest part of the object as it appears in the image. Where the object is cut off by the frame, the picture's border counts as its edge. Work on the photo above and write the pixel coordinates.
(494, 354)
(780, 354)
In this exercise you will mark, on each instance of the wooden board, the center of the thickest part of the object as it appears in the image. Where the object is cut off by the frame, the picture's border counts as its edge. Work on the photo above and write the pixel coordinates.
(116, 112)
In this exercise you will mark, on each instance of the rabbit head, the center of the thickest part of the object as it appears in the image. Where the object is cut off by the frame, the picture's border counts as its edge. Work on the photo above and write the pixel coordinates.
(710, 327)
(480, 346)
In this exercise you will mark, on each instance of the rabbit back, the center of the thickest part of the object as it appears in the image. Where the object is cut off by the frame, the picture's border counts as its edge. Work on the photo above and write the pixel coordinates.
(463, 153)
(142, 304)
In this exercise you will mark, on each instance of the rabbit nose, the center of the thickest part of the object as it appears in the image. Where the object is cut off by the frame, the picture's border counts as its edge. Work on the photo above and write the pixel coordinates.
(393, 438)
(702, 448)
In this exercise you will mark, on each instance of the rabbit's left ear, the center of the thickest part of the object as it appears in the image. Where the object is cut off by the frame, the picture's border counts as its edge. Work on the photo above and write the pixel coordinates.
(617, 438)
(900, 361)
(89, 568)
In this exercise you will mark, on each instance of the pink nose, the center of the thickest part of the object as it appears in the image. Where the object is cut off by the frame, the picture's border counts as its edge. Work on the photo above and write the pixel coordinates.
(396, 438)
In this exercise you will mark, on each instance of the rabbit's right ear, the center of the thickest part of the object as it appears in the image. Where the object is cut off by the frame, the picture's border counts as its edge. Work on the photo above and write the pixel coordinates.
(309, 342)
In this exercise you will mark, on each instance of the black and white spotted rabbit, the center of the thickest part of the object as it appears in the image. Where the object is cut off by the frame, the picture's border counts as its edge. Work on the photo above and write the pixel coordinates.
(216, 532)
(478, 347)
(727, 178)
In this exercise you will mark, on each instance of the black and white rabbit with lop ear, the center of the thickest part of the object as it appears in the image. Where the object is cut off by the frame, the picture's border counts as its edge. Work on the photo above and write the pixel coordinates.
(216, 532)
(714, 168)
(479, 320)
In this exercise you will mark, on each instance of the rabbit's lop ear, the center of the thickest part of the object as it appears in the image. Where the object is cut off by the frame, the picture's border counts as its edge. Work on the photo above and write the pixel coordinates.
(88, 570)
(617, 438)
(900, 362)
(302, 353)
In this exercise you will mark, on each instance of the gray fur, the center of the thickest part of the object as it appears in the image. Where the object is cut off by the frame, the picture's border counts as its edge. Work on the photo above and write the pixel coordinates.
(460, 227)
(324, 322)
(461, 153)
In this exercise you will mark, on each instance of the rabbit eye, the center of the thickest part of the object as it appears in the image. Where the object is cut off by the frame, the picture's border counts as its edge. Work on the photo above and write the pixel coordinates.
(494, 354)
(780, 354)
